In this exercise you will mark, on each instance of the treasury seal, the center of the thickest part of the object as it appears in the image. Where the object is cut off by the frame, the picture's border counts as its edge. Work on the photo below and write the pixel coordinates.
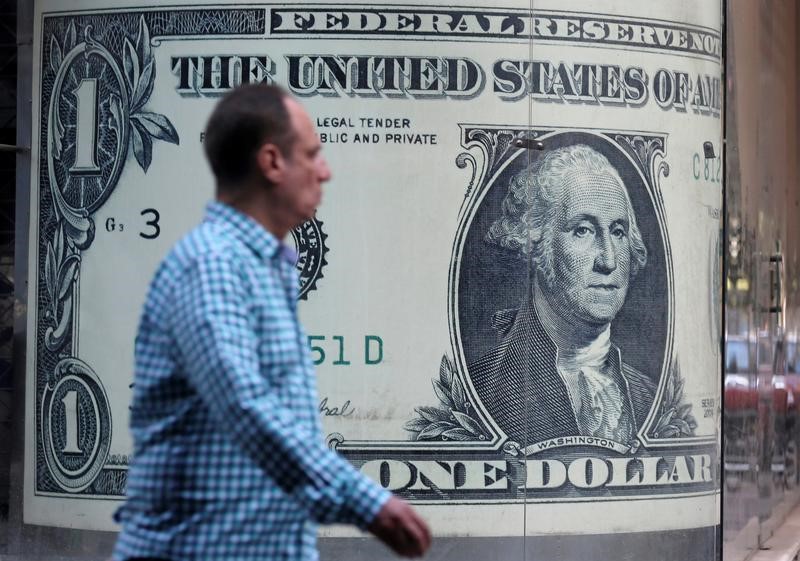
(309, 241)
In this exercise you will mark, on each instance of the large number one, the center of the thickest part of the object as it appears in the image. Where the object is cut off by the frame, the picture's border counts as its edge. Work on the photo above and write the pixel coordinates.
(70, 401)
(86, 132)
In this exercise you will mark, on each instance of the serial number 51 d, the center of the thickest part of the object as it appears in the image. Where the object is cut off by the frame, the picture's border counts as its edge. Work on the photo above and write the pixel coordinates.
(373, 349)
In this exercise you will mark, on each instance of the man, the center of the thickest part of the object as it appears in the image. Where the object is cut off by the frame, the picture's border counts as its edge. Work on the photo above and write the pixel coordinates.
(229, 462)
(555, 372)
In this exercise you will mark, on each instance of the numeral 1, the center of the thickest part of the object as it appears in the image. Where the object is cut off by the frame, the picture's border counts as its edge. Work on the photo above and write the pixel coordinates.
(70, 401)
(341, 359)
(86, 131)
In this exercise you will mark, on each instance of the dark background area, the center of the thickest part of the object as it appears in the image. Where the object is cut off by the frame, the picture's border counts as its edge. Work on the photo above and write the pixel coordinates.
(8, 135)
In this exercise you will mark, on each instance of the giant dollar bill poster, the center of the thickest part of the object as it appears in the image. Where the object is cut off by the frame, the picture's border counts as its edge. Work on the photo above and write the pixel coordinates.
(509, 288)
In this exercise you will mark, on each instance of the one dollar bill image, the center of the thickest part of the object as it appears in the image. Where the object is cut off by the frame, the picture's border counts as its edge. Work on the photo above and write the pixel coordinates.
(506, 288)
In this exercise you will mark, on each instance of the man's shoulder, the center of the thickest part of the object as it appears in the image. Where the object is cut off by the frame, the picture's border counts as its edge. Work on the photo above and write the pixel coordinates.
(207, 244)
(514, 328)
(207, 239)
(637, 381)
(491, 371)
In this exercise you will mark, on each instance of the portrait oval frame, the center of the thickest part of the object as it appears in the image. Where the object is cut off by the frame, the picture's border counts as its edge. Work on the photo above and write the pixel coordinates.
(485, 279)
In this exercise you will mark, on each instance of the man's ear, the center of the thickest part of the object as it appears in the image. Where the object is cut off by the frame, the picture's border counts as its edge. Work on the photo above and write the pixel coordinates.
(271, 163)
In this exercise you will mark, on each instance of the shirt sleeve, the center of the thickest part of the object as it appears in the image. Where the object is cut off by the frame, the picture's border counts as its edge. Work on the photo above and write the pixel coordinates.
(219, 344)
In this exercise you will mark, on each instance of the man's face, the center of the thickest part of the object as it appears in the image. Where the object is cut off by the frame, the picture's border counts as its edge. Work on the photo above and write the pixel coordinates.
(300, 191)
(591, 249)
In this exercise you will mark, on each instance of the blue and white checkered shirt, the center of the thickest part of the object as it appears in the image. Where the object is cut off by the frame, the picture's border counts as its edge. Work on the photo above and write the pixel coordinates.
(229, 461)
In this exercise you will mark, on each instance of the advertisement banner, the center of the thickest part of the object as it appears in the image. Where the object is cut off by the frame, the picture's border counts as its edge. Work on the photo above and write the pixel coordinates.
(510, 289)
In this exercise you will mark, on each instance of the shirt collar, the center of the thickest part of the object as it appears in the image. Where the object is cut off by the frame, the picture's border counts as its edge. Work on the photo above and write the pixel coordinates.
(260, 240)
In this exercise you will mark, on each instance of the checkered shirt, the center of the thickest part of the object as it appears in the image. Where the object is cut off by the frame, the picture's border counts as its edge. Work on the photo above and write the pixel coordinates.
(229, 461)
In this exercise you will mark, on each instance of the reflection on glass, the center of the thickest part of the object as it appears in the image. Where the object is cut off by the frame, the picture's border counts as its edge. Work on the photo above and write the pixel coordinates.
(761, 380)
